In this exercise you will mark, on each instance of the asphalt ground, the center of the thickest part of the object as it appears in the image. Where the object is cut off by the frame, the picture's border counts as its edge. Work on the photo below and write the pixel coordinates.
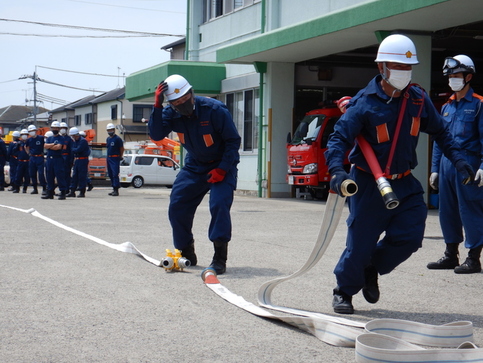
(65, 298)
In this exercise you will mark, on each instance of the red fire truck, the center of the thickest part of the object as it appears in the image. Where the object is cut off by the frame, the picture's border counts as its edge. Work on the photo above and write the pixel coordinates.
(305, 152)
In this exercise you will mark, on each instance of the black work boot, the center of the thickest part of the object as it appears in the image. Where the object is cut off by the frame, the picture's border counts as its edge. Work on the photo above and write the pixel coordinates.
(62, 195)
(189, 253)
(82, 193)
(16, 189)
(342, 303)
(71, 193)
(450, 259)
(44, 190)
(115, 192)
(219, 258)
(24, 190)
(472, 264)
(49, 194)
(90, 187)
(371, 287)
(35, 191)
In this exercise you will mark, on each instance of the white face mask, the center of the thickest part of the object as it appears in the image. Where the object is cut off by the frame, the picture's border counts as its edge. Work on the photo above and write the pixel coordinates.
(399, 79)
(456, 84)
(32, 133)
(24, 137)
(63, 131)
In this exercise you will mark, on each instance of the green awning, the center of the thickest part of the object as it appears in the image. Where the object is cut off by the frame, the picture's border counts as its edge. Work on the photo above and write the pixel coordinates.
(205, 77)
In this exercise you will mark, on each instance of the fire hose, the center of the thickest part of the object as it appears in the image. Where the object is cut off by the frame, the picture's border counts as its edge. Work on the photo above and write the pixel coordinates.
(379, 340)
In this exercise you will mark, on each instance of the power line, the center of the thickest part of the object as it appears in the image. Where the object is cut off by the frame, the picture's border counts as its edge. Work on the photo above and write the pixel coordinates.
(91, 74)
(77, 36)
(63, 85)
(91, 28)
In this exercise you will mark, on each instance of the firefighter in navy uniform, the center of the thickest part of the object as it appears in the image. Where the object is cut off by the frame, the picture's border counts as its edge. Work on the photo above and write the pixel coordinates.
(3, 161)
(373, 114)
(37, 162)
(460, 206)
(206, 130)
(55, 163)
(81, 153)
(67, 154)
(115, 150)
(22, 175)
(13, 152)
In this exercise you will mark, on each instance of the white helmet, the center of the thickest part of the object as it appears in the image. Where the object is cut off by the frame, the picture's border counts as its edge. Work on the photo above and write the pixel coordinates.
(24, 132)
(48, 134)
(82, 133)
(32, 128)
(397, 48)
(110, 126)
(178, 86)
(64, 125)
(457, 64)
(55, 124)
(16, 134)
(73, 131)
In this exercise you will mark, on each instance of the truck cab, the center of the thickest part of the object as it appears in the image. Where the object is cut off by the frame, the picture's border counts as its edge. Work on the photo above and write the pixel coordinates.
(307, 169)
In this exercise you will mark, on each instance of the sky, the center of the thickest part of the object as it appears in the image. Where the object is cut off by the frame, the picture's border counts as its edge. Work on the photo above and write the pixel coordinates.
(82, 60)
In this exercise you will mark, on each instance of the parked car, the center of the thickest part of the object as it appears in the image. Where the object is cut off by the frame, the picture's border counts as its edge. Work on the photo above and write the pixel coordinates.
(140, 169)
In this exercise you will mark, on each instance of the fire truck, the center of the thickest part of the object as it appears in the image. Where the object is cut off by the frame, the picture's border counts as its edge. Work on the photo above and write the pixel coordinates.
(307, 170)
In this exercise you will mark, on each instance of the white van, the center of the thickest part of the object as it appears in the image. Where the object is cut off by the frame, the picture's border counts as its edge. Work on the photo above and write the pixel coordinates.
(140, 169)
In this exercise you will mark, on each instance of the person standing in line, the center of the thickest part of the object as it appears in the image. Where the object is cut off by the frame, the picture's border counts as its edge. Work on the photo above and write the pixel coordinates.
(115, 151)
(55, 163)
(206, 130)
(3, 161)
(37, 162)
(460, 206)
(13, 152)
(81, 152)
(22, 176)
(389, 114)
(90, 186)
(67, 154)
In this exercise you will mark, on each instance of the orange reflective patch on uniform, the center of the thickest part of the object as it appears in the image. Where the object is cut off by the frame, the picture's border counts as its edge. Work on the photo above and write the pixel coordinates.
(415, 126)
(382, 133)
(181, 137)
(208, 140)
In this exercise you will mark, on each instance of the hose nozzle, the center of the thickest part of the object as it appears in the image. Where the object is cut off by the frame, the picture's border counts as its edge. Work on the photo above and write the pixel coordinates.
(388, 195)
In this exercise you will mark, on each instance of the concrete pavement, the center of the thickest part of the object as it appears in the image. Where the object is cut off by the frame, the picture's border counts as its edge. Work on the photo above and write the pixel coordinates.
(65, 298)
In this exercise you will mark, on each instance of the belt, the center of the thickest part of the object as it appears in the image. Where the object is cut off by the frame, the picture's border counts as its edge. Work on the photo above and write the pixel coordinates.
(36, 155)
(392, 176)
(398, 176)
(23, 161)
(65, 154)
(13, 156)
(54, 156)
(82, 158)
(113, 156)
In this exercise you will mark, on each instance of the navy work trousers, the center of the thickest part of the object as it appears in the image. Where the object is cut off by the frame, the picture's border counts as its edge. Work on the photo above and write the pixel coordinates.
(188, 192)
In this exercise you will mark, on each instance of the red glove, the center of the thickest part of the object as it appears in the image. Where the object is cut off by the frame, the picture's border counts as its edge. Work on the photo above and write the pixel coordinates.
(159, 94)
(216, 175)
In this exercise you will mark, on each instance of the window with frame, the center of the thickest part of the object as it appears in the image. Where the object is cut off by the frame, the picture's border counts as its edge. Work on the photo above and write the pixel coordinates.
(141, 111)
(88, 118)
(243, 106)
(114, 112)
(77, 120)
(215, 8)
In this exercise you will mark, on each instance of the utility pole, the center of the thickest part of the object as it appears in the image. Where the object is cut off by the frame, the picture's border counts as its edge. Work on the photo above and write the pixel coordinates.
(35, 98)
(34, 77)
